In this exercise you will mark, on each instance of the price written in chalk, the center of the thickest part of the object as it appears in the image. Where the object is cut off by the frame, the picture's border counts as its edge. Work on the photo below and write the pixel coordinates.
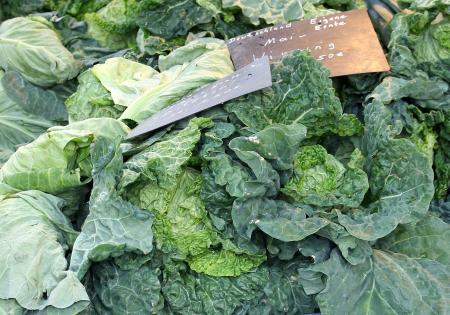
(346, 43)
(248, 79)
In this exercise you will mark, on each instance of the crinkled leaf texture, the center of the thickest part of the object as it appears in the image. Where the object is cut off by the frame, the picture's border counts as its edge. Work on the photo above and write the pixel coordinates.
(158, 180)
(418, 42)
(393, 88)
(123, 79)
(118, 291)
(30, 46)
(301, 93)
(283, 293)
(173, 17)
(320, 179)
(34, 238)
(58, 159)
(113, 226)
(401, 179)
(387, 283)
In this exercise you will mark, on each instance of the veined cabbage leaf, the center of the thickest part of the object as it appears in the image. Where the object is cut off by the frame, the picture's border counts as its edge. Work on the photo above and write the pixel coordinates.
(34, 237)
(31, 46)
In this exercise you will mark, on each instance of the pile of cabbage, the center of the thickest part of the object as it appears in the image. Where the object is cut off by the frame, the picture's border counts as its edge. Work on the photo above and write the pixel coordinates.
(312, 195)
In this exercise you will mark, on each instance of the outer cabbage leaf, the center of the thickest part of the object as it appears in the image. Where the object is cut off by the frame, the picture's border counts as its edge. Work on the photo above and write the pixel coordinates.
(172, 18)
(11, 307)
(426, 239)
(418, 42)
(222, 173)
(80, 43)
(387, 283)
(162, 162)
(200, 62)
(47, 104)
(191, 293)
(263, 152)
(79, 7)
(271, 11)
(113, 226)
(320, 179)
(91, 100)
(34, 237)
(301, 93)
(277, 144)
(432, 49)
(30, 46)
(123, 79)
(13, 8)
(283, 294)
(276, 218)
(105, 38)
(118, 291)
(59, 159)
(17, 126)
(401, 179)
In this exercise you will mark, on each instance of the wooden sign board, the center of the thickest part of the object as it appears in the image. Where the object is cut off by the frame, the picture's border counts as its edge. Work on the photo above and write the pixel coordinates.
(346, 43)
(248, 79)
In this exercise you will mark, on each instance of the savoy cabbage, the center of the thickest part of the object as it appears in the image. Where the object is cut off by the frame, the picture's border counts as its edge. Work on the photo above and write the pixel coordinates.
(312, 195)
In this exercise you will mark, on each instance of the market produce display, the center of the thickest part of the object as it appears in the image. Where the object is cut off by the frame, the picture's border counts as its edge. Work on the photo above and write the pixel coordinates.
(315, 195)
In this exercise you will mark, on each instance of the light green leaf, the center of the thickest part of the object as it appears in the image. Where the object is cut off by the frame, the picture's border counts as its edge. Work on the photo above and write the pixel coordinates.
(173, 17)
(91, 100)
(301, 93)
(224, 263)
(320, 179)
(35, 235)
(59, 159)
(191, 293)
(126, 80)
(40, 102)
(30, 46)
(401, 179)
(163, 160)
(187, 68)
